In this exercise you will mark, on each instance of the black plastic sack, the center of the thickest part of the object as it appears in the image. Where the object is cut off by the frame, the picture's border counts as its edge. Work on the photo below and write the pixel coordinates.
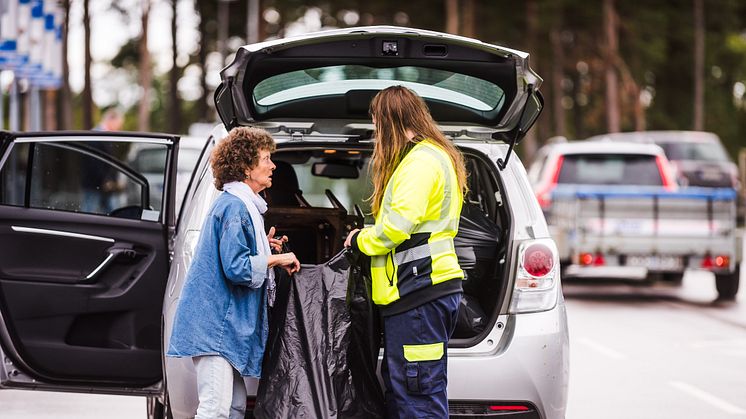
(471, 318)
(323, 346)
(477, 237)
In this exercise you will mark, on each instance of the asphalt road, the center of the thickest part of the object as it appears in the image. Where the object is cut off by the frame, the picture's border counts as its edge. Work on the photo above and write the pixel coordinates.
(636, 353)
(661, 352)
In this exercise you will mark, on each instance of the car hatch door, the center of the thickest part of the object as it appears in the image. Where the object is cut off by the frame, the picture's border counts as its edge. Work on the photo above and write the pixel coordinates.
(86, 222)
(335, 74)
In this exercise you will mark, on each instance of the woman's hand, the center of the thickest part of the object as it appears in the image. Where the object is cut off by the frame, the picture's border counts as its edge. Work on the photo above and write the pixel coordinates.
(287, 261)
(348, 240)
(276, 244)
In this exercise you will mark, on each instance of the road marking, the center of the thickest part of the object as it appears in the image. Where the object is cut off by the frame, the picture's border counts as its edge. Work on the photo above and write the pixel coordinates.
(611, 353)
(713, 343)
(707, 397)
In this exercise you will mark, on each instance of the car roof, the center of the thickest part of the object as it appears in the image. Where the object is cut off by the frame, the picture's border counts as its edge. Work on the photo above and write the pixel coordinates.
(659, 137)
(605, 147)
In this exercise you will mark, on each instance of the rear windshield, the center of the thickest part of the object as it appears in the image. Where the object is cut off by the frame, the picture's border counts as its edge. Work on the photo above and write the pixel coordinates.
(610, 169)
(695, 151)
(429, 83)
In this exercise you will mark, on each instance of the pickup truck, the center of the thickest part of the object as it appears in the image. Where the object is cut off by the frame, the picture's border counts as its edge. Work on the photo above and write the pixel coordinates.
(614, 212)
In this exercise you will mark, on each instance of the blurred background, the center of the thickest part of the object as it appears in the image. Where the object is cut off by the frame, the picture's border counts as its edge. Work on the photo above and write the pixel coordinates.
(607, 65)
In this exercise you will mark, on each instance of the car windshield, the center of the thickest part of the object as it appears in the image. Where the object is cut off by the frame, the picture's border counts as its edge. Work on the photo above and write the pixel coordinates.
(610, 169)
(694, 151)
(429, 83)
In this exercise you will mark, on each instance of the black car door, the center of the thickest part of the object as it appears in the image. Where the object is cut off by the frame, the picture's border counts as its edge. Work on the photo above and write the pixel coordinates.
(84, 258)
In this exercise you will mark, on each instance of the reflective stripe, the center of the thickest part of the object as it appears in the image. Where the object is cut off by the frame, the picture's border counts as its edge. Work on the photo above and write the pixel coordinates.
(378, 261)
(446, 224)
(414, 253)
(399, 221)
(426, 352)
(382, 237)
(442, 246)
(423, 251)
(447, 190)
(447, 186)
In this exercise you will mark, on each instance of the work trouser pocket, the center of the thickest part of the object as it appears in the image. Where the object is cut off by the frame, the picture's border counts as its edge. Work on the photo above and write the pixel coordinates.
(425, 377)
(425, 369)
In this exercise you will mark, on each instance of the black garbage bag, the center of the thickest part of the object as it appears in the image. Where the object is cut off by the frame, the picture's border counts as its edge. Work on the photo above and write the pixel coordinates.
(471, 318)
(323, 346)
(477, 237)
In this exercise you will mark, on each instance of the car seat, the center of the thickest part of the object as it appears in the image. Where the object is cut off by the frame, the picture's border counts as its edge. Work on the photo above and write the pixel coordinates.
(285, 191)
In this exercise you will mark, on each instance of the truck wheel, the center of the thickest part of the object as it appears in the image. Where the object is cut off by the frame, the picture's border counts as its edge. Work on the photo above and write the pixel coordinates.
(727, 284)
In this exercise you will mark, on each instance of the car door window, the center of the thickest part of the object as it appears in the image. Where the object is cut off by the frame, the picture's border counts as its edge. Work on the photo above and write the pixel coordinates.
(93, 177)
(13, 176)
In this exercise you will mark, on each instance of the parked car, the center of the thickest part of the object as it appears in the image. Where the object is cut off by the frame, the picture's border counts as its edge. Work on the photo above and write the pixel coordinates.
(698, 158)
(615, 212)
(88, 299)
(150, 161)
(597, 163)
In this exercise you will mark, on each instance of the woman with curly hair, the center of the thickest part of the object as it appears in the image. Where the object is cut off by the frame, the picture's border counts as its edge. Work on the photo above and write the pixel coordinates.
(221, 320)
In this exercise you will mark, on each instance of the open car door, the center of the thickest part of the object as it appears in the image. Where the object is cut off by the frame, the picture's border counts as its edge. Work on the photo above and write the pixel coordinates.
(86, 220)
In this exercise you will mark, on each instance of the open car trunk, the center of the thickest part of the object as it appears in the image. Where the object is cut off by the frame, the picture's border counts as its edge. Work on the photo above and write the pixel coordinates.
(319, 194)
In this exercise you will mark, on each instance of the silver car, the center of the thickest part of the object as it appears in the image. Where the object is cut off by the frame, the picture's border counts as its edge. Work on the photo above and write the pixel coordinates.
(88, 296)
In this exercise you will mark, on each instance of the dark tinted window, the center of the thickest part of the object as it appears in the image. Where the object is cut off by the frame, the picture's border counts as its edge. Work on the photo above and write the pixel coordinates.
(695, 151)
(95, 177)
(610, 169)
(13, 176)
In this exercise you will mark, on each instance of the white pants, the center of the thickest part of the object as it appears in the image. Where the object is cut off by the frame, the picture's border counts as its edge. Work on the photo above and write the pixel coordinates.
(222, 392)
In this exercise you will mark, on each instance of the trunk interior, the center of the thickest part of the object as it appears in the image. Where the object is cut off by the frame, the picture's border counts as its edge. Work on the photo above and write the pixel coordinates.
(319, 193)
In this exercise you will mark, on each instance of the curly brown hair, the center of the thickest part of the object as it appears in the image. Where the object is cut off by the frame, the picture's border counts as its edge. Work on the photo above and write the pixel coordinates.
(238, 152)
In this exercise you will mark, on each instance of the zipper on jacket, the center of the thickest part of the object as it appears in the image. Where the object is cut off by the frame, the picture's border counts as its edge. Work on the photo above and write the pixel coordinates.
(386, 268)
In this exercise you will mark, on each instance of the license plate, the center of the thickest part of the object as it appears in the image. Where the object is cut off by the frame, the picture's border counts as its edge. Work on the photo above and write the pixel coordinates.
(656, 262)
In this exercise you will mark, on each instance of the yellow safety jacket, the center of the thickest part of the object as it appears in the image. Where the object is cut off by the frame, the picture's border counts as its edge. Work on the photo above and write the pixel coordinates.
(413, 259)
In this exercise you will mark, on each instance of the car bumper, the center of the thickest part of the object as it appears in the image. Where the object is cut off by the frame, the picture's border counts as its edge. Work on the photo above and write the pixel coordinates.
(531, 369)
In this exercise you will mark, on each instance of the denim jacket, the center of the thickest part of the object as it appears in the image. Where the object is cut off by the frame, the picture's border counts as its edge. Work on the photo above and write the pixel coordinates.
(223, 306)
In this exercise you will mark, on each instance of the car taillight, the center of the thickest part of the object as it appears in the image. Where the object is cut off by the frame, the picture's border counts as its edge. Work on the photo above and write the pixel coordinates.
(588, 259)
(536, 277)
(668, 183)
(717, 262)
(544, 195)
(722, 261)
(706, 261)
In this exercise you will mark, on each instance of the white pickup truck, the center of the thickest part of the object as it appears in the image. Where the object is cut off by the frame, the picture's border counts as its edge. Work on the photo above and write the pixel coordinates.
(615, 213)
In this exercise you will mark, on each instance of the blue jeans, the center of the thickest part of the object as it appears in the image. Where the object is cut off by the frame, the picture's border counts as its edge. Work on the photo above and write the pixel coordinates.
(415, 359)
(221, 389)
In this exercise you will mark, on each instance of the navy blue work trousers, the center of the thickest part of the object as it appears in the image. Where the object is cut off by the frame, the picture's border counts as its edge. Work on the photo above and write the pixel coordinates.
(416, 387)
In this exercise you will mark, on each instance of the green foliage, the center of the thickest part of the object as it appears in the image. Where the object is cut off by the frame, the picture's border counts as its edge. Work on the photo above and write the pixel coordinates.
(656, 40)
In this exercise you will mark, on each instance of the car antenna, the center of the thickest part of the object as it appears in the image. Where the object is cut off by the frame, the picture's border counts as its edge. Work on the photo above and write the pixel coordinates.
(502, 164)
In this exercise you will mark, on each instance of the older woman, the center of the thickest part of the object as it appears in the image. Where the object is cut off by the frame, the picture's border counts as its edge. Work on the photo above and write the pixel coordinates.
(221, 320)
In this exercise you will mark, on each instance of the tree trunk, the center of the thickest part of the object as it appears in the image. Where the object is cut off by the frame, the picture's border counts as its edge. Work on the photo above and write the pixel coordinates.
(699, 66)
(530, 141)
(146, 75)
(612, 82)
(558, 111)
(174, 111)
(202, 109)
(87, 93)
(468, 19)
(50, 110)
(64, 99)
(452, 16)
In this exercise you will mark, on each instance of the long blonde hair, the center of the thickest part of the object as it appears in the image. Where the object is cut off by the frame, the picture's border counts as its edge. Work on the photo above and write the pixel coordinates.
(397, 109)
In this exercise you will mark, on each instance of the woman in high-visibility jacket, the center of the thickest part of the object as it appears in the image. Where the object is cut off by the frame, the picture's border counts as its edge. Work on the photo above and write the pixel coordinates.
(419, 181)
